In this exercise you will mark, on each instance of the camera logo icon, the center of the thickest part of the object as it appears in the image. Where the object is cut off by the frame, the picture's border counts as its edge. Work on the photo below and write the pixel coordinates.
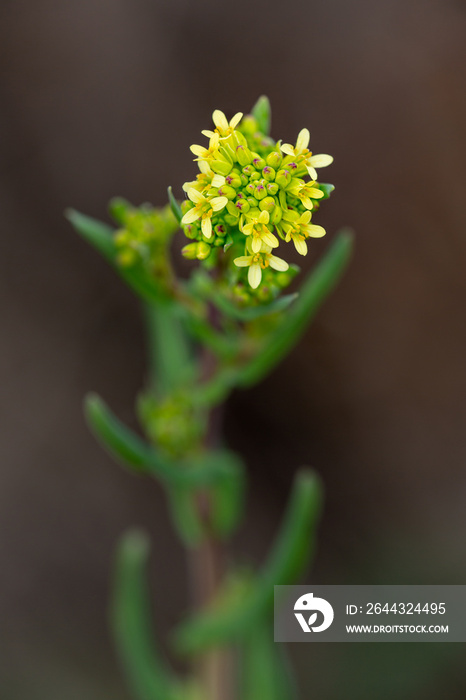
(308, 604)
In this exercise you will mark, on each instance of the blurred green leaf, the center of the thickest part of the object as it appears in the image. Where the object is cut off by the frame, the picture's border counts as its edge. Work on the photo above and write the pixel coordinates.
(291, 552)
(169, 352)
(100, 236)
(262, 114)
(174, 204)
(321, 281)
(265, 672)
(326, 188)
(147, 675)
(228, 495)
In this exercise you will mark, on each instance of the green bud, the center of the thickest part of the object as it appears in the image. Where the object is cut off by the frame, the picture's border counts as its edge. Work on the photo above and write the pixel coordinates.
(272, 188)
(219, 242)
(233, 180)
(220, 230)
(232, 209)
(258, 163)
(253, 203)
(203, 250)
(243, 155)
(248, 170)
(127, 257)
(249, 125)
(191, 230)
(242, 205)
(250, 188)
(227, 191)
(283, 178)
(190, 251)
(274, 159)
(260, 192)
(268, 173)
(255, 176)
(231, 220)
(244, 179)
(221, 167)
(276, 215)
(267, 204)
(186, 205)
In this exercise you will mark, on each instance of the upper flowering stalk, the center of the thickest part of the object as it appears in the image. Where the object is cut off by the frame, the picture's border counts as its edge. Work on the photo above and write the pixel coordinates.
(250, 194)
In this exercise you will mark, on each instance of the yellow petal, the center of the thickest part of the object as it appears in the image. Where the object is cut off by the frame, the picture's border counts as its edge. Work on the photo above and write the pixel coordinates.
(300, 245)
(307, 203)
(243, 260)
(195, 196)
(220, 120)
(264, 217)
(288, 149)
(248, 229)
(236, 119)
(198, 150)
(190, 216)
(315, 231)
(312, 172)
(218, 181)
(256, 244)
(270, 240)
(217, 203)
(303, 140)
(278, 263)
(321, 160)
(206, 226)
(305, 218)
(208, 133)
(204, 167)
(255, 275)
(315, 193)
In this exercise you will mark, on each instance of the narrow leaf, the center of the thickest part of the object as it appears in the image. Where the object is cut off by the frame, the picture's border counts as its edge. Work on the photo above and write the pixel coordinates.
(145, 671)
(98, 234)
(174, 204)
(262, 114)
(290, 555)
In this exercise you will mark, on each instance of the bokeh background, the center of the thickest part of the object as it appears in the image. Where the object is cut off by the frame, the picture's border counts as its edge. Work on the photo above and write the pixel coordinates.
(103, 97)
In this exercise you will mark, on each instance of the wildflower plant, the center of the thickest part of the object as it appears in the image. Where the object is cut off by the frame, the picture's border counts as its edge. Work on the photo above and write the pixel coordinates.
(224, 326)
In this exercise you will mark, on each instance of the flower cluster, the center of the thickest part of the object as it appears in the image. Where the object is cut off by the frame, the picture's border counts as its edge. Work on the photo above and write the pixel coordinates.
(250, 194)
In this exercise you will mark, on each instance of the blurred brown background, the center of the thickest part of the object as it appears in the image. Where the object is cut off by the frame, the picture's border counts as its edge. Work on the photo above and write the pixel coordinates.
(104, 97)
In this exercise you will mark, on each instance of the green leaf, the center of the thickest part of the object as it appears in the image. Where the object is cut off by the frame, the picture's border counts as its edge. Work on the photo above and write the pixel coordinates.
(185, 515)
(326, 188)
(228, 495)
(265, 672)
(262, 114)
(100, 236)
(169, 353)
(174, 204)
(317, 287)
(146, 673)
(290, 555)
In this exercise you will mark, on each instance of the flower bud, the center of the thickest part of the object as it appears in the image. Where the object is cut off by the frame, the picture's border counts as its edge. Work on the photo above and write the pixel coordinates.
(258, 163)
(260, 192)
(249, 124)
(190, 251)
(227, 191)
(283, 178)
(250, 188)
(272, 188)
(243, 155)
(233, 180)
(268, 173)
(203, 250)
(255, 176)
(221, 167)
(276, 215)
(242, 205)
(248, 170)
(244, 179)
(252, 202)
(274, 159)
(191, 230)
(233, 210)
(231, 220)
(267, 204)
(220, 230)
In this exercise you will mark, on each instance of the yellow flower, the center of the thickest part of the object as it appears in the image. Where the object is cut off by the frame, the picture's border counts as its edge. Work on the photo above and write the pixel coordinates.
(259, 232)
(301, 151)
(298, 230)
(206, 154)
(305, 191)
(203, 209)
(258, 262)
(223, 128)
(205, 180)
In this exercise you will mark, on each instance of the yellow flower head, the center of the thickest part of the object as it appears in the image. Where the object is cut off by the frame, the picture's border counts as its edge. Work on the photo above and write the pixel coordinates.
(258, 262)
(203, 209)
(260, 233)
(301, 152)
(223, 128)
